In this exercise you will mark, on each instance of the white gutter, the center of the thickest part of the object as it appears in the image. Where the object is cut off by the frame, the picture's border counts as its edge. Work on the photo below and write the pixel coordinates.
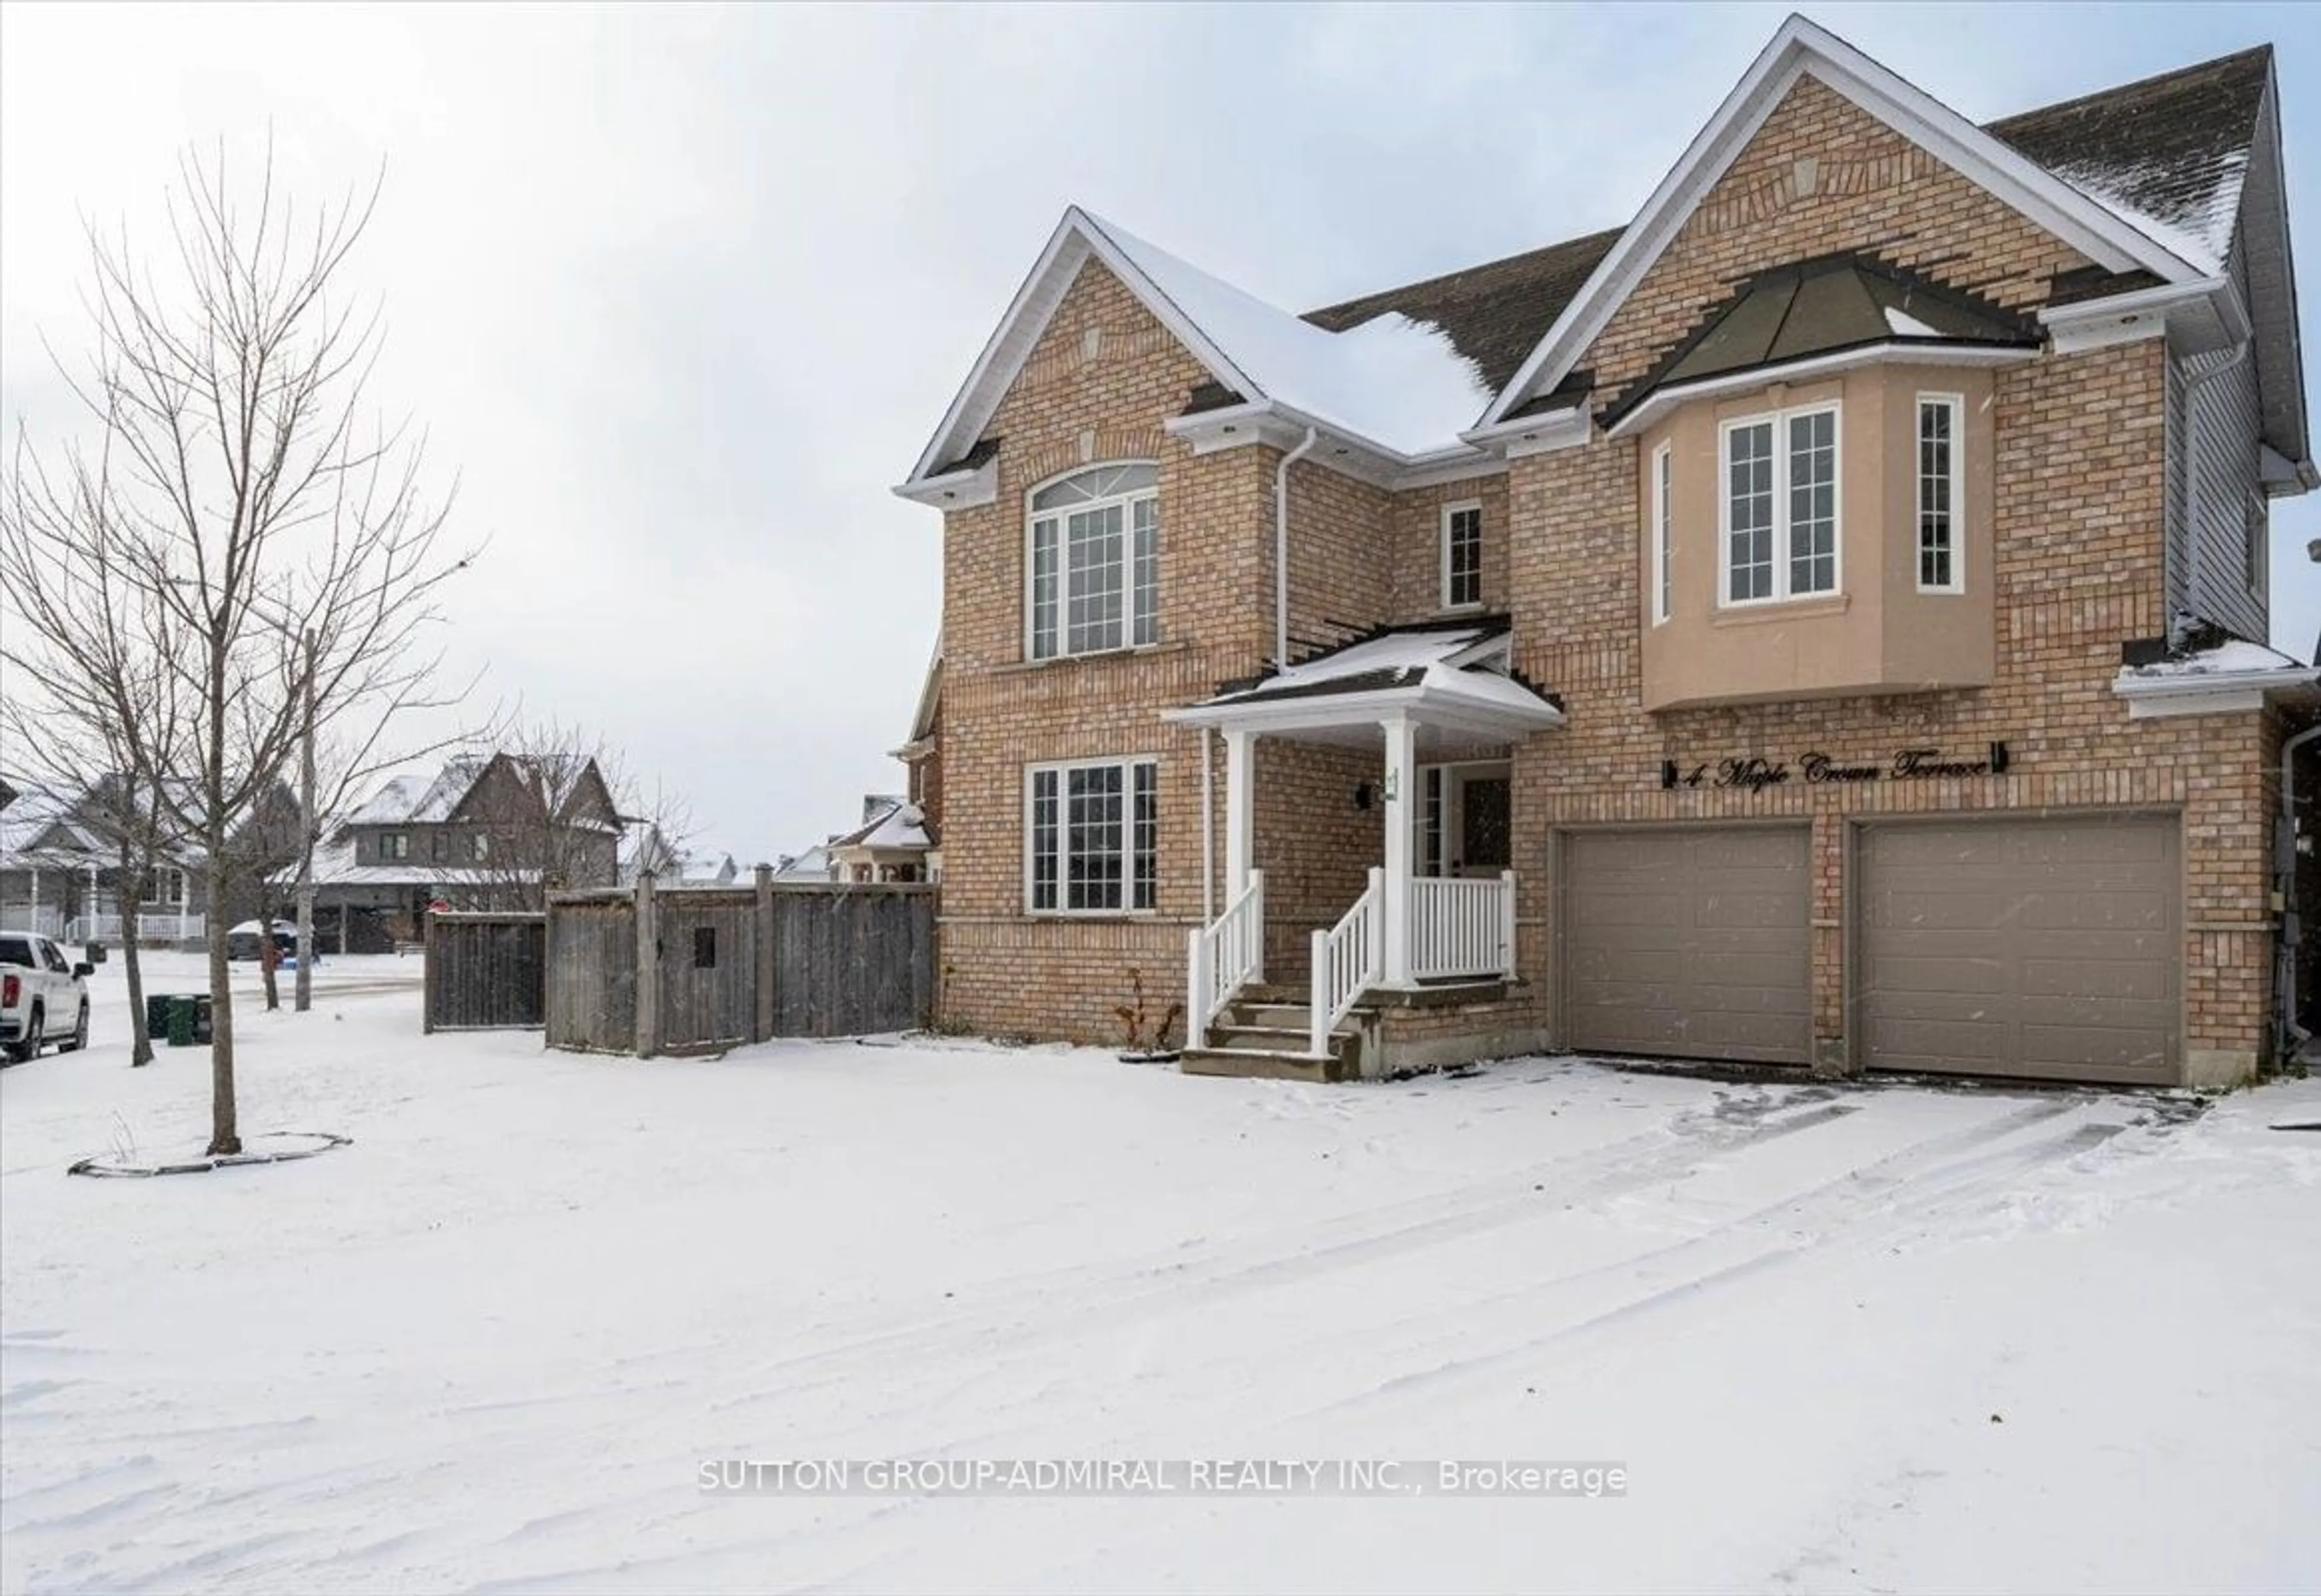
(2286, 873)
(1281, 547)
(1208, 830)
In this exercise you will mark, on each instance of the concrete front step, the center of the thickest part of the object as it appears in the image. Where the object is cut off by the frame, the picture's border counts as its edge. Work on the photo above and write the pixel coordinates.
(1258, 1063)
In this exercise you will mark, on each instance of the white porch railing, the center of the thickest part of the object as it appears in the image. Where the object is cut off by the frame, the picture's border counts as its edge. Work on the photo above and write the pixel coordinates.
(1223, 957)
(1462, 927)
(168, 926)
(42, 920)
(1349, 958)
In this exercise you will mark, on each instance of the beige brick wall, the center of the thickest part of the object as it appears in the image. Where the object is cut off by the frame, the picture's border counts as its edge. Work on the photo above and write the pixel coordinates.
(1872, 189)
(1098, 385)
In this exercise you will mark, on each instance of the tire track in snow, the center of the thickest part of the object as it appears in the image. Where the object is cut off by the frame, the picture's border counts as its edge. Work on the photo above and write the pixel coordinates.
(1030, 1314)
(1928, 1181)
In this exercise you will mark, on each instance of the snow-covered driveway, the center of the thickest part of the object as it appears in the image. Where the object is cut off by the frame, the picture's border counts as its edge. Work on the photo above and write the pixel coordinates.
(1843, 1338)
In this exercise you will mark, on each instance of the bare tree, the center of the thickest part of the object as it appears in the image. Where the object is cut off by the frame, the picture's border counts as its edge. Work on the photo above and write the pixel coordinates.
(279, 535)
(546, 810)
(93, 707)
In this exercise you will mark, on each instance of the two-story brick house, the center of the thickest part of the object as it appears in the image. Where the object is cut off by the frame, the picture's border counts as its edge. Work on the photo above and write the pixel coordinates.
(1818, 623)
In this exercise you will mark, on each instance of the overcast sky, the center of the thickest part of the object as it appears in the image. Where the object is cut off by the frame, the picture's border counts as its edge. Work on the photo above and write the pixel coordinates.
(678, 293)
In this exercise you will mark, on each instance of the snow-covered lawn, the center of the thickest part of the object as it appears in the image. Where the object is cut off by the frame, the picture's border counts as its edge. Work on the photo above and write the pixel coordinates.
(1874, 1338)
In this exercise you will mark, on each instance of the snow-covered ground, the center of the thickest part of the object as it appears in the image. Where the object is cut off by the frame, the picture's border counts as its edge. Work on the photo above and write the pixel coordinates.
(1871, 1338)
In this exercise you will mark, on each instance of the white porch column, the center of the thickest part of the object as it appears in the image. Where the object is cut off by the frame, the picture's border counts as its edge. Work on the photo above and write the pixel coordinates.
(185, 902)
(1240, 811)
(1401, 795)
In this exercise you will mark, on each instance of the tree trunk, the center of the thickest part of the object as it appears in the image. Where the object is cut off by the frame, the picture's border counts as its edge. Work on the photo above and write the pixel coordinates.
(140, 1041)
(269, 958)
(225, 1136)
(306, 983)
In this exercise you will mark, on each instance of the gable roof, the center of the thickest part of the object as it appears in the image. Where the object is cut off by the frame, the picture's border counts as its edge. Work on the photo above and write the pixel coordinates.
(2103, 233)
(1388, 379)
(2171, 151)
(2147, 179)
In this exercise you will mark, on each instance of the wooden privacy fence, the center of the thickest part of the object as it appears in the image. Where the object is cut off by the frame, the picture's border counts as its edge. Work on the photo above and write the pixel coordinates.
(486, 972)
(701, 969)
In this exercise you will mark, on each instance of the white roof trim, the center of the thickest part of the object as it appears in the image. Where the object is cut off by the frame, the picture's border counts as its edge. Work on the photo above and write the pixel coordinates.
(1349, 454)
(2212, 693)
(1798, 49)
(1425, 702)
(1076, 238)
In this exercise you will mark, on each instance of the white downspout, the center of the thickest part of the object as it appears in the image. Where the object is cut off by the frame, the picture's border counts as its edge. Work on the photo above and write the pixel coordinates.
(1209, 829)
(1281, 548)
(2286, 874)
(2194, 382)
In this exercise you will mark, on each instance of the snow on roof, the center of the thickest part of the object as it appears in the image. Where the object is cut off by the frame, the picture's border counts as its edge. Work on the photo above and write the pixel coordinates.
(2233, 657)
(2195, 226)
(391, 804)
(1437, 665)
(1390, 380)
(901, 826)
(1903, 324)
(814, 864)
(450, 785)
(1404, 653)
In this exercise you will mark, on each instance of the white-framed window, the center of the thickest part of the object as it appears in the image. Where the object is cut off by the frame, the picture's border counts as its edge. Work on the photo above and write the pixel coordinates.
(1779, 504)
(1092, 561)
(479, 845)
(164, 884)
(395, 844)
(1091, 836)
(1463, 555)
(2256, 530)
(1942, 493)
(1663, 530)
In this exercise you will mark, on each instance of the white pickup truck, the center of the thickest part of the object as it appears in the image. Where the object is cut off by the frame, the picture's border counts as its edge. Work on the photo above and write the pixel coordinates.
(43, 998)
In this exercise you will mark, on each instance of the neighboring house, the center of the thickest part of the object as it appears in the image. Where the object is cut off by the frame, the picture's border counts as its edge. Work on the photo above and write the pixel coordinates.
(893, 844)
(60, 865)
(672, 862)
(485, 832)
(900, 838)
(811, 866)
(1793, 628)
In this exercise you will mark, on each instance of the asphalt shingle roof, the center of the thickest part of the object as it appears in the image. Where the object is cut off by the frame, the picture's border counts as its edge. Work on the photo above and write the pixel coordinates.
(2173, 147)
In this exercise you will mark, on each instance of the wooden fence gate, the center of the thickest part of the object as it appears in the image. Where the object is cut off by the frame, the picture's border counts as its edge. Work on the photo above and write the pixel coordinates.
(853, 962)
(591, 976)
(486, 972)
(701, 969)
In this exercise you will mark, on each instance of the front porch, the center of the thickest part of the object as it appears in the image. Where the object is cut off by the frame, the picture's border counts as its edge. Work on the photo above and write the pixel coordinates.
(1418, 724)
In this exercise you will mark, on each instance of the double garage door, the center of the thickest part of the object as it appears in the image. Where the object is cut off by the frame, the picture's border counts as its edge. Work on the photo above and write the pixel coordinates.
(2046, 948)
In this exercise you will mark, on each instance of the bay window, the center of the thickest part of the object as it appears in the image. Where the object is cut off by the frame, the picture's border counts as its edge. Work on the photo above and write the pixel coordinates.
(1094, 572)
(1092, 836)
(1779, 505)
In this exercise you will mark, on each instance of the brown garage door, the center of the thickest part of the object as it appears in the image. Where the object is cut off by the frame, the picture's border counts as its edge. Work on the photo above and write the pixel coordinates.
(2044, 948)
(1690, 944)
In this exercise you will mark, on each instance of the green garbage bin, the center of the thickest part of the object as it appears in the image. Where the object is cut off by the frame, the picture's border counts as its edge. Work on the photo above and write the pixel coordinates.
(181, 1021)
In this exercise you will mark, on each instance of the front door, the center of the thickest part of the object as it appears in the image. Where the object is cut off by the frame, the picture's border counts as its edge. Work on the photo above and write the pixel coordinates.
(1464, 822)
(1483, 826)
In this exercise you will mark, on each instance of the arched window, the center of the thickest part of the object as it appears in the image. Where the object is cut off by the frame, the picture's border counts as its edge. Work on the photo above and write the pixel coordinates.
(1094, 575)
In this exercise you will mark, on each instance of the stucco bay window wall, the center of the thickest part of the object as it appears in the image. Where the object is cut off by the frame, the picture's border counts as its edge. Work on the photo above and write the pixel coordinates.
(1753, 595)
